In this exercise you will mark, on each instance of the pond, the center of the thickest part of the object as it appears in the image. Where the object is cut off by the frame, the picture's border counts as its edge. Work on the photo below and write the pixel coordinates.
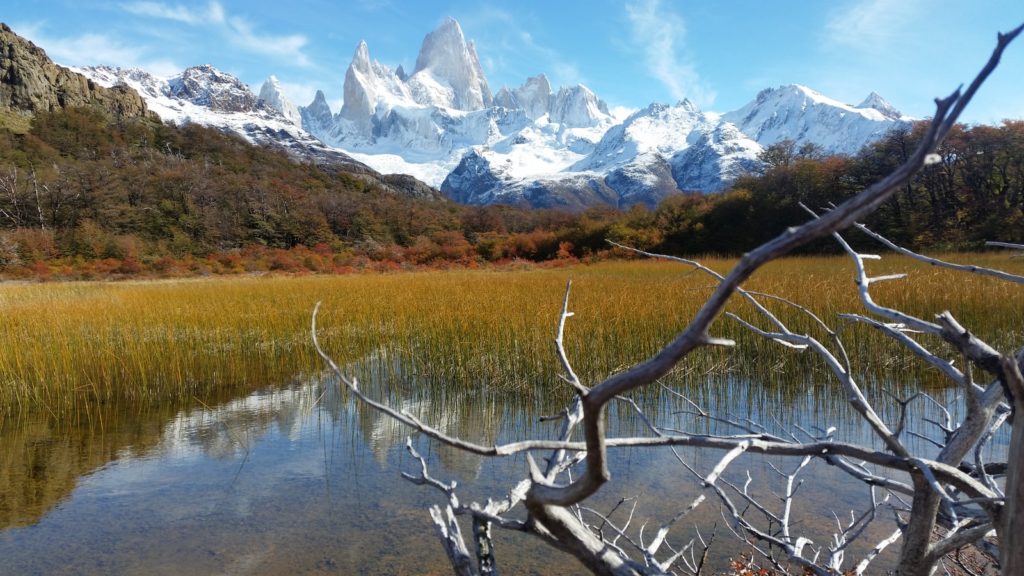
(188, 427)
(301, 480)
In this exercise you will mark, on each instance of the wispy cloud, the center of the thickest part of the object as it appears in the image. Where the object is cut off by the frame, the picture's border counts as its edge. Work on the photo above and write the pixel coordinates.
(871, 26)
(241, 33)
(94, 49)
(510, 48)
(235, 29)
(661, 34)
(177, 13)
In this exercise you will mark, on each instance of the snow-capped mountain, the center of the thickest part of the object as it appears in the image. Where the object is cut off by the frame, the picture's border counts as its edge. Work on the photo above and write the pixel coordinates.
(208, 87)
(534, 145)
(882, 105)
(273, 97)
(448, 71)
(207, 96)
(533, 97)
(531, 144)
(656, 151)
(800, 114)
(425, 122)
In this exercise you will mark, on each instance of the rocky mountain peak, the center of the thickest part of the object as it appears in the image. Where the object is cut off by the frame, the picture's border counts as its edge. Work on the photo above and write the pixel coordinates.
(800, 114)
(505, 98)
(535, 96)
(319, 103)
(577, 106)
(447, 68)
(360, 89)
(361, 58)
(317, 117)
(441, 46)
(272, 96)
(876, 102)
(688, 105)
(209, 87)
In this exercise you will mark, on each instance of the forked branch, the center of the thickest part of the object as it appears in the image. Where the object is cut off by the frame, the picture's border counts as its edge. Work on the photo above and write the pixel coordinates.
(553, 495)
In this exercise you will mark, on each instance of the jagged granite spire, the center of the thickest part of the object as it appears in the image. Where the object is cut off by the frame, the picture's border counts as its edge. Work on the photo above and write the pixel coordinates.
(448, 70)
(535, 96)
(273, 97)
(360, 92)
(578, 107)
(317, 117)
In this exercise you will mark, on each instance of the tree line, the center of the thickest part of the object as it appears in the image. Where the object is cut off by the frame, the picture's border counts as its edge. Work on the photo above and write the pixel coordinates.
(82, 195)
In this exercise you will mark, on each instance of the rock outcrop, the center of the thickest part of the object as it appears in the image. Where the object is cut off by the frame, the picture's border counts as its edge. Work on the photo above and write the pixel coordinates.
(30, 82)
(208, 87)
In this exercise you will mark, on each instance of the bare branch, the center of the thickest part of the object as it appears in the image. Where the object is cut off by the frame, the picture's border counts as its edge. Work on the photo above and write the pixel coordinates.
(914, 346)
(942, 263)
(856, 396)
(878, 549)
(451, 537)
(960, 538)
(425, 479)
(1005, 245)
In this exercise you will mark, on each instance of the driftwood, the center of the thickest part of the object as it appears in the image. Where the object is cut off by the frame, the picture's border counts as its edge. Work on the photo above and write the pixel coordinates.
(954, 494)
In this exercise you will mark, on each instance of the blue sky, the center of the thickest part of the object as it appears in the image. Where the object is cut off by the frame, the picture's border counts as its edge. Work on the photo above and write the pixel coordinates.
(717, 53)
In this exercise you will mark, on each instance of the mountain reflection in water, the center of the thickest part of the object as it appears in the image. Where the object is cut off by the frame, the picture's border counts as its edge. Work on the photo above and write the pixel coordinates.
(301, 480)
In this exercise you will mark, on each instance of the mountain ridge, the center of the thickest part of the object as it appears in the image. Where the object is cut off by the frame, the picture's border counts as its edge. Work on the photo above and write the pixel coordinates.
(541, 147)
(529, 145)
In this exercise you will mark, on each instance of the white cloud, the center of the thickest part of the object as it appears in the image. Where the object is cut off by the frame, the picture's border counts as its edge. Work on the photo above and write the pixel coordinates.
(157, 10)
(620, 113)
(98, 49)
(661, 33)
(870, 26)
(234, 29)
(217, 13)
(289, 48)
(299, 94)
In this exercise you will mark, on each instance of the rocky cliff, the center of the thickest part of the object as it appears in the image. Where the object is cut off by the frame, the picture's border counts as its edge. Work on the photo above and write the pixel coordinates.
(30, 82)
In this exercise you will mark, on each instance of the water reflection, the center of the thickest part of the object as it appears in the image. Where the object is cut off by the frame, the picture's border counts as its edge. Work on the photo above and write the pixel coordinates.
(278, 482)
(301, 480)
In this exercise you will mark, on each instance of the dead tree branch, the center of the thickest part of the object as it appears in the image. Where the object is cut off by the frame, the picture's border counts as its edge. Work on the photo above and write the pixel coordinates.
(554, 496)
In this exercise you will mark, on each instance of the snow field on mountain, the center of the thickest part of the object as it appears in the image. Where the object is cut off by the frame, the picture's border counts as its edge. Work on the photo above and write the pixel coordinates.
(442, 125)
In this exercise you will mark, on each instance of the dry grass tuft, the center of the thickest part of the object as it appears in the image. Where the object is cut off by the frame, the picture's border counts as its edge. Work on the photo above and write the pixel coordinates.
(68, 348)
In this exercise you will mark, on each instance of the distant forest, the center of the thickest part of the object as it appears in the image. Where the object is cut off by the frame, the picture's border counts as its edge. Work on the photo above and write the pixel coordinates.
(84, 196)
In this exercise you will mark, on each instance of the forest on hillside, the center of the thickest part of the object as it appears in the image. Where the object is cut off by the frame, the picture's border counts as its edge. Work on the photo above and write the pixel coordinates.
(84, 196)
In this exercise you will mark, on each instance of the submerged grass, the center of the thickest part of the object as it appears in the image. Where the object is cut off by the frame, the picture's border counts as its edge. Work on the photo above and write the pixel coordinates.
(73, 348)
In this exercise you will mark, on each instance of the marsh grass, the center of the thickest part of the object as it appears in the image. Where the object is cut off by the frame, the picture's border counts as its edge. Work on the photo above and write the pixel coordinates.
(74, 349)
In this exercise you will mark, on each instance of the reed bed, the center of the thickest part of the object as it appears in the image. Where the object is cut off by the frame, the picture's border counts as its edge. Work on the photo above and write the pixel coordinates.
(72, 349)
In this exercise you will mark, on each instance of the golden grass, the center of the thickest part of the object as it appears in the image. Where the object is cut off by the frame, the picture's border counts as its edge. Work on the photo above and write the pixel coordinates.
(71, 348)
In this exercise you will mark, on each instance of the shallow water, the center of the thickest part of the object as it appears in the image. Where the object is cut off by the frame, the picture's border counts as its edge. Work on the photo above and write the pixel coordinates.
(300, 480)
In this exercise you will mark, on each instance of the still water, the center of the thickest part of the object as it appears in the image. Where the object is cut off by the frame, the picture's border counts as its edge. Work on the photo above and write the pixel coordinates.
(300, 480)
